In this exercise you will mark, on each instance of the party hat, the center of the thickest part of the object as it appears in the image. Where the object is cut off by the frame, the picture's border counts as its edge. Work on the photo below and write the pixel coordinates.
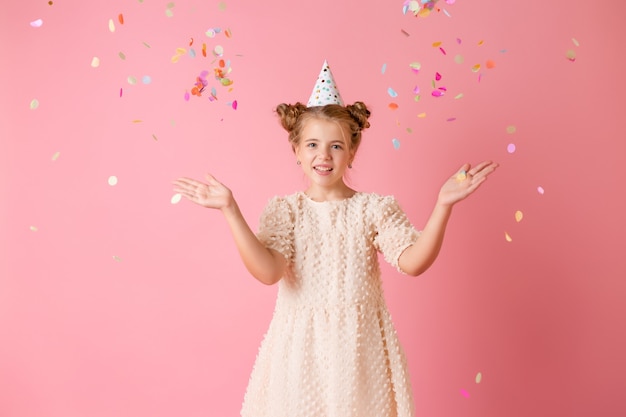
(325, 90)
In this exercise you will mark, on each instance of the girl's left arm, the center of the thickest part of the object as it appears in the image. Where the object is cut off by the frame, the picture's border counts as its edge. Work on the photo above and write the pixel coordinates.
(418, 257)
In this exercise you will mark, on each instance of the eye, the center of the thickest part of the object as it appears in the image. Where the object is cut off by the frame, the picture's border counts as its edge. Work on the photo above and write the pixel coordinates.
(311, 145)
(337, 147)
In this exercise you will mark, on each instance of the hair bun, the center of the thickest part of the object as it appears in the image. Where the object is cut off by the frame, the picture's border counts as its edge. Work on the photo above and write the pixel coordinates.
(289, 114)
(360, 114)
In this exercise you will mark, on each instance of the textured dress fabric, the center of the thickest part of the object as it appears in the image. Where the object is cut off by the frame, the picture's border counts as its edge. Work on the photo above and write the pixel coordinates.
(331, 349)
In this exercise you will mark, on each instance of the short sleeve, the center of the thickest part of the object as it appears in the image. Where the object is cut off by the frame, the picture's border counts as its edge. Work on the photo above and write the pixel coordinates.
(276, 227)
(395, 232)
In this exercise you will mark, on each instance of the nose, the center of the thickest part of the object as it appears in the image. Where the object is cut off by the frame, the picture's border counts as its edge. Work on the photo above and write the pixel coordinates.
(324, 152)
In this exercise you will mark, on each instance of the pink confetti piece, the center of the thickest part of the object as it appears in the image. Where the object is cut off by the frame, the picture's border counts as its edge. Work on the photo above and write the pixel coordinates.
(510, 148)
(438, 93)
(187, 95)
(36, 23)
(443, 51)
(437, 76)
(234, 105)
(451, 119)
(540, 190)
(416, 90)
(121, 91)
(465, 393)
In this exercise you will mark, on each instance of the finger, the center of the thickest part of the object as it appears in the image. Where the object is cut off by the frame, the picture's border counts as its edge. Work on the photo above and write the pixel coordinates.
(212, 180)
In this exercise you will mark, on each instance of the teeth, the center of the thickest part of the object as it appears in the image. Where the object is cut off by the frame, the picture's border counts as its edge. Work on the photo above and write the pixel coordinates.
(323, 169)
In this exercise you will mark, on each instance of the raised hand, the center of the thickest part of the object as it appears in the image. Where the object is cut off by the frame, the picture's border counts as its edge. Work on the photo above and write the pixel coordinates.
(464, 182)
(211, 194)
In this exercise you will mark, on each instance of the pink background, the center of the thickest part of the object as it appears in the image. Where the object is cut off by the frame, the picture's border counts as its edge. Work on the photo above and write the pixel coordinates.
(116, 302)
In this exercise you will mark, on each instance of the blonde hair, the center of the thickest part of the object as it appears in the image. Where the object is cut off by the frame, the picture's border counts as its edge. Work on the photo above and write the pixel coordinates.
(353, 116)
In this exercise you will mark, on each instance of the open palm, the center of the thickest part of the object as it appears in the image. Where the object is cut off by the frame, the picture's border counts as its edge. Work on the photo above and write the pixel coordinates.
(211, 194)
(464, 182)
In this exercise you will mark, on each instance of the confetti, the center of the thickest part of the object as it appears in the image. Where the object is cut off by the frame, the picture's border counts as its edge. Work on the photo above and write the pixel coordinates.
(137, 121)
(511, 129)
(120, 19)
(218, 50)
(393, 106)
(392, 92)
(465, 393)
(154, 137)
(222, 6)
(461, 176)
(117, 258)
(417, 98)
(396, 143)
(575, 42)
(459, 59)
(33, 228)
(438, 92)
(510, 148)
(415, 66)
(95, 62)
(234, 105)
(228, 33)
(479, 377)
(111, 25)
(421, 115)
(146, 79)
(458, 96)
(490, 64)
(132, 80)
(570, 55)
(450, 119)
(443, 51)
(476, 68)
(146, 44)
(404, 32)
(187, 96)
(383, 69)
(519, 216)
(176, 198)
(122, 56)
(36, 23)
(507, 237)
(210, 33)
(56, 156)
(121, 92)
(540, 190)
(34, 104)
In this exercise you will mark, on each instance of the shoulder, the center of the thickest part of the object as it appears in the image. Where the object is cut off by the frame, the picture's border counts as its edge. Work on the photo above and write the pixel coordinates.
(378, 201)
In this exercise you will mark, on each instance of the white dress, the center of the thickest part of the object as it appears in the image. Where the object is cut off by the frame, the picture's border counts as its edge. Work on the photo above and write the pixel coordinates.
(331, 349)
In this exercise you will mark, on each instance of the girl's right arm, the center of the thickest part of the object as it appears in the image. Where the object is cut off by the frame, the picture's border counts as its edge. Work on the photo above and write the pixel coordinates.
(266, 265)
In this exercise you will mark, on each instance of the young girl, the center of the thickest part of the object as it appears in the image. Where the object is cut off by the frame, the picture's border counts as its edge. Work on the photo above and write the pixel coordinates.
(331, 349)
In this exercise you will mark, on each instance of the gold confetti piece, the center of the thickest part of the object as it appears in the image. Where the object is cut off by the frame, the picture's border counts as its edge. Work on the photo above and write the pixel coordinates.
(111, 25)
(476, 68)
(479, 377)
(176, 198)
(34, 104)
(137, 121)
(121, 55)
(461, 176)
(511, 129)
(95, 62)
(222, 6)
(481, 43)
(421, 115)
(154, 137)
(169, 13)
(436, 44)
(575, 41)
(117, 258)
(459, 59)
(132, 80)
(458, 96)
(146, 44)
(112, 180)
(404, 32)
(507, 237)
(571, 55)
(56, 156)
(33, 228)
(519, 216)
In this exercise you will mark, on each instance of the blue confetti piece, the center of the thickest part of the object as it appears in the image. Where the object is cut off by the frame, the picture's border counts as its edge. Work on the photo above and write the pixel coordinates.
(384, 68)
(392, 92)
(396, 143)
(192, 52)
(146, 79)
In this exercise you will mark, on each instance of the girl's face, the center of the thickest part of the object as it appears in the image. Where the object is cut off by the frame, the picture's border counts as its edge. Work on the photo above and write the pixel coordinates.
(324, 153)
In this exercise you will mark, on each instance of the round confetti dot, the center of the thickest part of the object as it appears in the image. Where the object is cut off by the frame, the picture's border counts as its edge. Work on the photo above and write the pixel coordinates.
(146, 79)
(36, 23)
(176, 198)
(210, 33)
(570, 55)
(112, 180)
(169, 13)
(510, 148)
(95, 62)
(132, 80)
(540, 190)
(459, 59)
(33, 228)
(519, 216)
(479, 377)
(34, 104)
(511, 129)
(396, 143)
(218, 50)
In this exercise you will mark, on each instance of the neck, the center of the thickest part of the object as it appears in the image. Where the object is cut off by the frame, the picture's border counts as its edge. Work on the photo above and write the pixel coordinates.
(322, 194)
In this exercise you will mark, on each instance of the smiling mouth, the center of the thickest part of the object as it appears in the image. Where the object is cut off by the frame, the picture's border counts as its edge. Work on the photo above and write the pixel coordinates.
(323, 169)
